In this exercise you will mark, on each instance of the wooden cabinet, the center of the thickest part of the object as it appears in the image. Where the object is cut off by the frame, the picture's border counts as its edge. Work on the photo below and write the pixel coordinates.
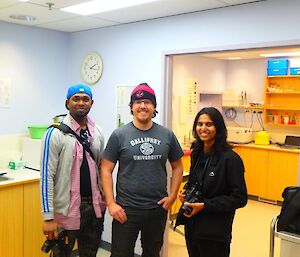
(282, 98)
(268, 171)
(21, 221)
(283, 172)
(186, 167)
(177, 204)
(33, 233)
(11, 221)
(256, 163)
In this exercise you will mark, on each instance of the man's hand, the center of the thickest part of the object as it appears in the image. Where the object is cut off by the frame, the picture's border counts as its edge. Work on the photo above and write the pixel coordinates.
(117, 212)
(50, 228)
(167, 202)
(196, 207)
(181, 195)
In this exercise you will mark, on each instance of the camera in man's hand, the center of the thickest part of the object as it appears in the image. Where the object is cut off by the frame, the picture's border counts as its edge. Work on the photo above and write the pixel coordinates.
(56, 245)
(192, 195)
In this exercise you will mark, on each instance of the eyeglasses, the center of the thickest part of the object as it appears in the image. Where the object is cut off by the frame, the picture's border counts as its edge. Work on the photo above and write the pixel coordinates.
(145, 101)
(207, 124)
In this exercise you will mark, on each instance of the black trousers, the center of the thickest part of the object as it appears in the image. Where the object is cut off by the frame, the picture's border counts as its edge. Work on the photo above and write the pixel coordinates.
(205, 248)
(151, 223)
(88, 237)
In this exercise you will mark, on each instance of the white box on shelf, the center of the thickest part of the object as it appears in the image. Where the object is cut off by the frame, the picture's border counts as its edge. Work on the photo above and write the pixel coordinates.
(295, 63)
(31, 152)
(232, 97)
(239, 135)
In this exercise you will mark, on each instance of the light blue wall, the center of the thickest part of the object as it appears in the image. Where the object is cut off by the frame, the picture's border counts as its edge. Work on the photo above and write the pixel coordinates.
(37, 63)
(43, 63)
(133, 53)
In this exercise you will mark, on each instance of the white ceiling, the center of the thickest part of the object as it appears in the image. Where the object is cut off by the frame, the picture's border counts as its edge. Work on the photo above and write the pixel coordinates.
(62, 21)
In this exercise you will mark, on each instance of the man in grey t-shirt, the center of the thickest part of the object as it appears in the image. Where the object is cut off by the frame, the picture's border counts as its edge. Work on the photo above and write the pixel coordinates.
(142, 148)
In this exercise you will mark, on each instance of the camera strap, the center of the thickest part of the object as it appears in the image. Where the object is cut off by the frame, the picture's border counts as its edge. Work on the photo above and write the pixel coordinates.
(67, 130)
(198, 172)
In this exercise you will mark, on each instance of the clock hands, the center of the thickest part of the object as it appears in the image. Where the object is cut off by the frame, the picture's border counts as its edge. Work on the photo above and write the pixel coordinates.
(92, 68)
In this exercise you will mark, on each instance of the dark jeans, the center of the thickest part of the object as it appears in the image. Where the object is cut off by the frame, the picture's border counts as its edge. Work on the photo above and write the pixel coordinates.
(205, 248)
(88, 237)
(151, 223)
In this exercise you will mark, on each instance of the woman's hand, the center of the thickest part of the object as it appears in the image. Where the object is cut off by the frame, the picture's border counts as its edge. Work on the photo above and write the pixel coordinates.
(196, 207)
(181, 195)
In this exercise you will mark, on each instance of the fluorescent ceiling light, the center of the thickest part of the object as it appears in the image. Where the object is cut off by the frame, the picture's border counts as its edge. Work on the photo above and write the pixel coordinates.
(22, 17)
(234, 58)
(281, 54)
(98, 6)
(24, 1)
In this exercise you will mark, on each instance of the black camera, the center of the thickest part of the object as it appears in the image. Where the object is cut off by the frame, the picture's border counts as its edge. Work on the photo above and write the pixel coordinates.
(193, 194)
(56, 245)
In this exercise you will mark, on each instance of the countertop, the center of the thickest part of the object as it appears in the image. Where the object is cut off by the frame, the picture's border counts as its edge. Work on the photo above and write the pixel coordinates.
(16, 177)
(269, 147)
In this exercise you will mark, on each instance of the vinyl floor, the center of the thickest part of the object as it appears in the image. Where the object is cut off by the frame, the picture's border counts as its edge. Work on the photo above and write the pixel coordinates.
(251, 233)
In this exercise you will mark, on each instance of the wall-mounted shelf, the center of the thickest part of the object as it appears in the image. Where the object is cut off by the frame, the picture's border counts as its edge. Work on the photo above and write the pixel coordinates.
(284, 76)
(282, 108)
(282, 93)
(282, 101)
(244, 107)
(283, 125)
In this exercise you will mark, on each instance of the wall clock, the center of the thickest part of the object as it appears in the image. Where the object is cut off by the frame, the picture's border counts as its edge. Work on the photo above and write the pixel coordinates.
(91, 67)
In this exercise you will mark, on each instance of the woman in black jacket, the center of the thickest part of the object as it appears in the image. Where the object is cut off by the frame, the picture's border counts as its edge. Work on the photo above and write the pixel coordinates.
(217, 173)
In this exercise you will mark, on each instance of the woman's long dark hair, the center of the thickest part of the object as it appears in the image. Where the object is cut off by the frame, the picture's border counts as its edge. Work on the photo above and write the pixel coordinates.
(221, 131)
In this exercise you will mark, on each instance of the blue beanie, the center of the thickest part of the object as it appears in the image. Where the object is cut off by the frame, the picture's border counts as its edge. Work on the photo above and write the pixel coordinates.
(79, 88)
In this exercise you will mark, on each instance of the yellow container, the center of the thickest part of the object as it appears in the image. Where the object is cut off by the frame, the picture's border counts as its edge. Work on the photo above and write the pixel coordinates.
(262, 138)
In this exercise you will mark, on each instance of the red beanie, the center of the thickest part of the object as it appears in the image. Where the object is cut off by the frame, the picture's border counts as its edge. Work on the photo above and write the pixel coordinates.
(143, 91)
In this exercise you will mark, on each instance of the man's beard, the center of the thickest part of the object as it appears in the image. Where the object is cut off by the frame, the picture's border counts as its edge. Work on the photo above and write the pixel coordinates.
(80, 115)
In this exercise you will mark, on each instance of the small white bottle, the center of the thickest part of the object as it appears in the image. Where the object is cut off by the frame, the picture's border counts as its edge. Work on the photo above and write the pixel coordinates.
(286, 119)
(276, 119)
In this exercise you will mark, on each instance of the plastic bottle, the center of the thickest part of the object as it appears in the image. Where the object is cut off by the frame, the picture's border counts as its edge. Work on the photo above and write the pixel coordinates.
(293, 120)
(276, 119)
(270, 117)
(286, 119)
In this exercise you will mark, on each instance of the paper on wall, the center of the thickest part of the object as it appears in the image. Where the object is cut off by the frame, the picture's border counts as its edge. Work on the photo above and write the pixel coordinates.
(5, 92)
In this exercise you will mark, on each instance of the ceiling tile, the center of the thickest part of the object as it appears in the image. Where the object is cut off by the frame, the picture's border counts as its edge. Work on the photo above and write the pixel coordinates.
(159, 9)
(59, 3)
(234, 2)
(78, 24)
(59, 20)
(42, 14)
(6, 3)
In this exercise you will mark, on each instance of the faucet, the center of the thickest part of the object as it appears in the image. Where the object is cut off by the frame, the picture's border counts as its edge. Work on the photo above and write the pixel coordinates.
(189, 139)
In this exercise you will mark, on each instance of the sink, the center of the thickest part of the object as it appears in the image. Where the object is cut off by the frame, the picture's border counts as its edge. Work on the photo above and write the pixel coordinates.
(2, 178)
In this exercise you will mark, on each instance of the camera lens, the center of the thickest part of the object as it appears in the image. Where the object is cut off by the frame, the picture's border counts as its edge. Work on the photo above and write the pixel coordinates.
(187, 209)
(46, 247)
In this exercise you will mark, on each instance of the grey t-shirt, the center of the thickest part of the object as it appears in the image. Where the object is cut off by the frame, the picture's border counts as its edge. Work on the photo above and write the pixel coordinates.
(142, 156)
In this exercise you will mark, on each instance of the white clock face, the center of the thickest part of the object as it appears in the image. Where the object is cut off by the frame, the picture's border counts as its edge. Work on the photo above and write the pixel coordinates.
(91, 68)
